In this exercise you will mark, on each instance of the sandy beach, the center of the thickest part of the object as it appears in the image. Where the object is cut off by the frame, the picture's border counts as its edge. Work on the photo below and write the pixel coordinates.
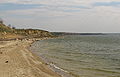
(17, 61)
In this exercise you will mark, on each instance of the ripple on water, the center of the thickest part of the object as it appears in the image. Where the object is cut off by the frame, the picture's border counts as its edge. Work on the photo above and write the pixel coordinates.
(83, 56)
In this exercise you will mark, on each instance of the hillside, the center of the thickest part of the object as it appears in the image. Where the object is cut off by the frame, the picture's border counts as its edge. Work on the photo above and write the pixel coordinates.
(9, 33)
(33, 33)
(4, 28)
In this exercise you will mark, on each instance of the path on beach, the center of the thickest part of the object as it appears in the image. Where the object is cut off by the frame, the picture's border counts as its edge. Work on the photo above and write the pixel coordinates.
(17, 61)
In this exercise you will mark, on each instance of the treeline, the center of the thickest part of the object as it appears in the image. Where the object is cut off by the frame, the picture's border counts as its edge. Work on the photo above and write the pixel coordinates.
(67, 33)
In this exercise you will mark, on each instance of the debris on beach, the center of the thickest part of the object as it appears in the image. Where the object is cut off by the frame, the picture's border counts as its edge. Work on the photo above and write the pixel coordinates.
(6, 62)
(0, 52)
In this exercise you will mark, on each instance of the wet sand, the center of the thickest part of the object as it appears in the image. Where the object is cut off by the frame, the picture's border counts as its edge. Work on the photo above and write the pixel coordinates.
(17, 61)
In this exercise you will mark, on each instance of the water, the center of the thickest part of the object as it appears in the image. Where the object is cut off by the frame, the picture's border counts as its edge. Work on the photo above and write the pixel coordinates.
(83, 56)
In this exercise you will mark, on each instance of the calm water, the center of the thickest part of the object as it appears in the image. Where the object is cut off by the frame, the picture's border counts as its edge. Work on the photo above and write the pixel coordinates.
(83, 56)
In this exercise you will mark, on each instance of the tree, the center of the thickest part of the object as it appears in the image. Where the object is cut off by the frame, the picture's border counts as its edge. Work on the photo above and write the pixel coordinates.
(13, 27)
(1, 21)
(9, 25)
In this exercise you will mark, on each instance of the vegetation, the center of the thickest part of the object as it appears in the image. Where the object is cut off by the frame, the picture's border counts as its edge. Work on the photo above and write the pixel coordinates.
(4, 28)
(1, 21)
(36, 33)
(9, 32)
(65, 33)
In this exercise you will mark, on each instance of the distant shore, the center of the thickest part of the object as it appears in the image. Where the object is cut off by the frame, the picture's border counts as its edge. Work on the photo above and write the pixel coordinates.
(17, 61)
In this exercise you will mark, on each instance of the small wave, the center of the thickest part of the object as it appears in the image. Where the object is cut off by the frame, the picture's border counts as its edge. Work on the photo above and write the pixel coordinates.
(59, 70)
(117, 68)
(102, 70)
(51, 64)
(95, 54)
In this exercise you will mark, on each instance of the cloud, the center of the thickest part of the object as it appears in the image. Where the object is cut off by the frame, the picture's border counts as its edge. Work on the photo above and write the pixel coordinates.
(13, 6)
(113, 3)
(8, 1)
(53, 5)
(75, 15)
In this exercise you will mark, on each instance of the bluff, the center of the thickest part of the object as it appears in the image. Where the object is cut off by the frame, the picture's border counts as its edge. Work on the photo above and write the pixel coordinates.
(10, 33)
(33, 33)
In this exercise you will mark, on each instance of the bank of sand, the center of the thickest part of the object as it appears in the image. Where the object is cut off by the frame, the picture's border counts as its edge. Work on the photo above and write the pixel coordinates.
(17, 61)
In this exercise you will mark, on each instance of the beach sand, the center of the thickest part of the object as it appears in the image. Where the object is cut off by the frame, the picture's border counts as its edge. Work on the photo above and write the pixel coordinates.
(17, 61)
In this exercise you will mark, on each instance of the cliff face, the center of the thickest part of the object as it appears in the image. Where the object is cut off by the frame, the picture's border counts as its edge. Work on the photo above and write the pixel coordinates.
(33, 33)
(9, 33)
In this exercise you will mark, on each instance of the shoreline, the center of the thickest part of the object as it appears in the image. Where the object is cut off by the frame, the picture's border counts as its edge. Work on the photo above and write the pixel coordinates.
(51, 65)
(17, 61)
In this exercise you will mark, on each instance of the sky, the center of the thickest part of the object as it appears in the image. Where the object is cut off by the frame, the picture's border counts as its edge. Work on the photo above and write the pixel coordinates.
(62, 15)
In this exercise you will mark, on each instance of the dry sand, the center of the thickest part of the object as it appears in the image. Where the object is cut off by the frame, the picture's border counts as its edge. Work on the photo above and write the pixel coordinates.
(17, 61)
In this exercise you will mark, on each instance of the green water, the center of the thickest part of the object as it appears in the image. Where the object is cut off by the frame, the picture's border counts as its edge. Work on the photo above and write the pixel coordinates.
(83, 56)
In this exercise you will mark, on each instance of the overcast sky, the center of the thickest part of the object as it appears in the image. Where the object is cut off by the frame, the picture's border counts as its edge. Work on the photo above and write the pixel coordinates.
(63, 15)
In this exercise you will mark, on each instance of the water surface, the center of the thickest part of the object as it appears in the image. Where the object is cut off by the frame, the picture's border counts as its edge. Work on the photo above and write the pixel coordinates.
(83, 56)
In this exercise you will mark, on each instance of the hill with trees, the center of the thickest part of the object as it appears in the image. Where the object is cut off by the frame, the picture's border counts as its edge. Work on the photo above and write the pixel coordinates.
(6, 32)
